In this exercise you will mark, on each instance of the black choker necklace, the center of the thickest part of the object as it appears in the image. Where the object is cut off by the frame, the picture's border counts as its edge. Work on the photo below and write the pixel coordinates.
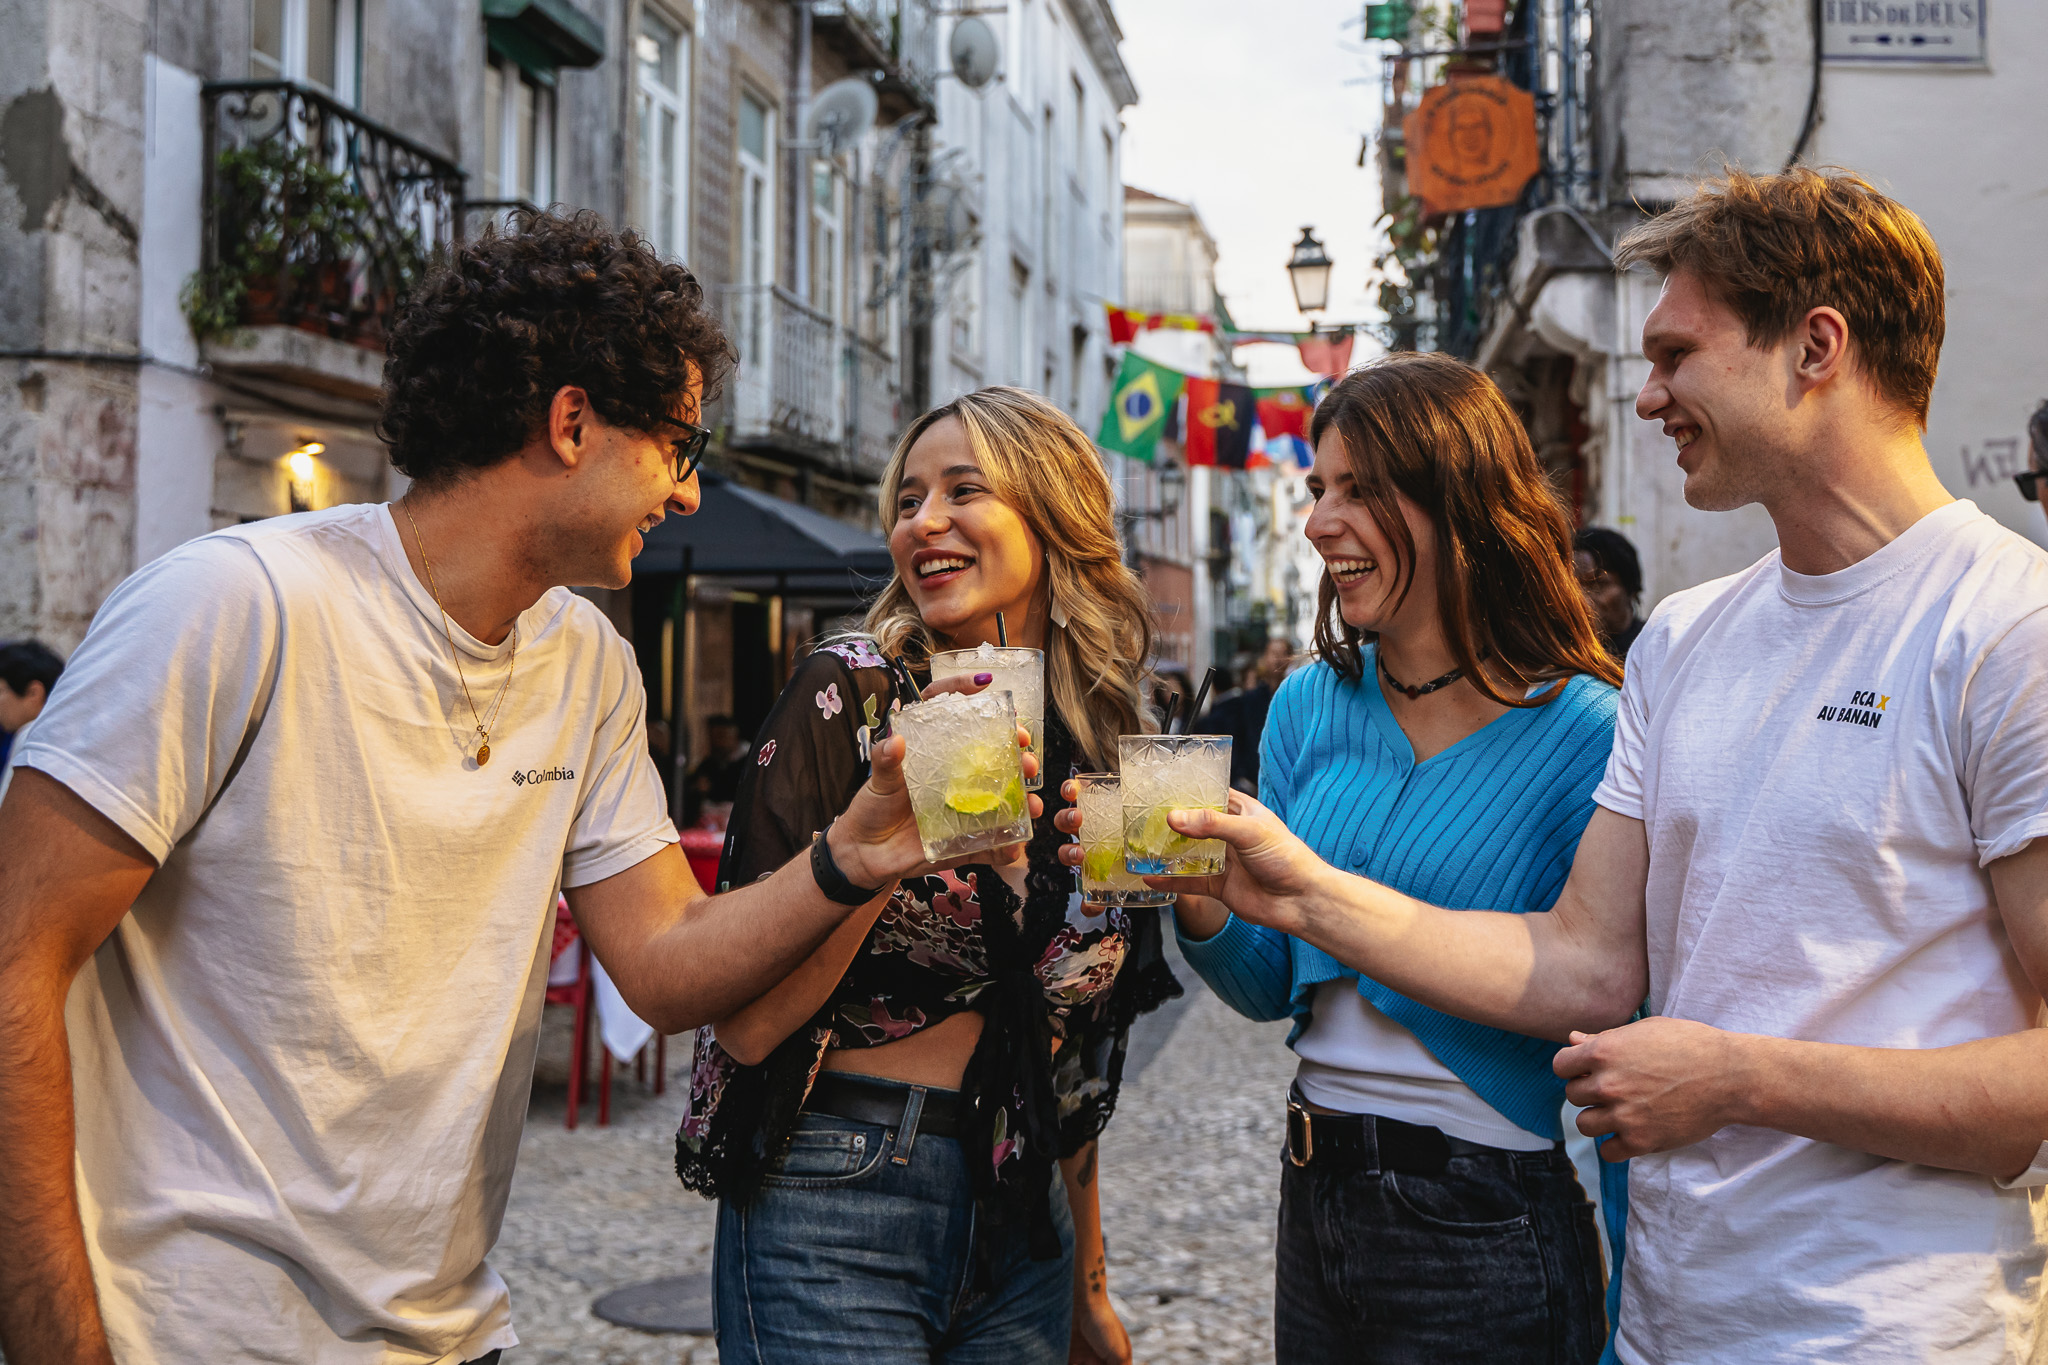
(1411, 693)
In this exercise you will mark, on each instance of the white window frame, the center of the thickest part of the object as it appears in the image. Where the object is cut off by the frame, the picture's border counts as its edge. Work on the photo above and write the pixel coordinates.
(502, 172)
(295, 29)
(653, 100)
(757, 197)
(828, 241)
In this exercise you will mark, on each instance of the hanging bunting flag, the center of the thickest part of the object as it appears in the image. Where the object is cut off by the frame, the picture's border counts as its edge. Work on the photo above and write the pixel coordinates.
(1283, 412)
(1137, 407)
(1326, 352)
(1284, 450)
(1123, 324)
(1219, 423)
(1255, 452)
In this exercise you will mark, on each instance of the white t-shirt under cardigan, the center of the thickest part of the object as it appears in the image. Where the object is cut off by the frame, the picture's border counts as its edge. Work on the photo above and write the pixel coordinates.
(302, 1061)
(1825, 766)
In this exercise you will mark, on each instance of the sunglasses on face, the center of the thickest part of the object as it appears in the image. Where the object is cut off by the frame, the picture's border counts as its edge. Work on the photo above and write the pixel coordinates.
(2030, 483)
(689, 449)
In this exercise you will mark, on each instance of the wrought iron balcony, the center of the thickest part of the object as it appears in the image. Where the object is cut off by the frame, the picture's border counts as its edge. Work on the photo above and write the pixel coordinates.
(805, 384)
(898, 38)
(315, 217)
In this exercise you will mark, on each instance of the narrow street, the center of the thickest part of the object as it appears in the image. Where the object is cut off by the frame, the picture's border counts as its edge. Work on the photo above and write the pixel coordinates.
(1189, 1189)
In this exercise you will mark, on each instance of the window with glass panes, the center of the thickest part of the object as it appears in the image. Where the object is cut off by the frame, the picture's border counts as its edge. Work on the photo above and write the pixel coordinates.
(315, 42)
(756, 219)
(663, 127)
(828, 236)
(519, 135)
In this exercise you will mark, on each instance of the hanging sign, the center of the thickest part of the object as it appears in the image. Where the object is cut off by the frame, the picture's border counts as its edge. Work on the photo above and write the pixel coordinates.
(1471, 144)
(1904, 32)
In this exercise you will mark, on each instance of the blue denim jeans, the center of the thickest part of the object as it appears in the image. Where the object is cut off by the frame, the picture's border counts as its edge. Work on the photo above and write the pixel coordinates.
(1493, 1262)
(845, 1254)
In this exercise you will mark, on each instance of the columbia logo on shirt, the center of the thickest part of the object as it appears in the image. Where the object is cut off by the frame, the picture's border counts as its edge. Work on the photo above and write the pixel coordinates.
(543, 775)
(1864, 708)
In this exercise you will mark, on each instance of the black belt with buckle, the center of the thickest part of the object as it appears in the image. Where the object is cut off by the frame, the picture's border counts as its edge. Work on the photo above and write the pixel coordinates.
(1365, 1142)
(909, 1109)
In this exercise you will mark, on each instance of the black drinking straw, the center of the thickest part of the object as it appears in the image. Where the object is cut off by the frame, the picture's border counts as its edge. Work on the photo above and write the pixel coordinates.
(1172, 706)
(1002, 632)
(1208, 680)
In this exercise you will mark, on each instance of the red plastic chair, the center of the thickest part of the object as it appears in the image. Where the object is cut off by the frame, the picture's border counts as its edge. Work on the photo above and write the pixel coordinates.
(581, 996)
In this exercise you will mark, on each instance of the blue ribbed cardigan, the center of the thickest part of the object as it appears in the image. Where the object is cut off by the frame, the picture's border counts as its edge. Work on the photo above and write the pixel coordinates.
(1491, 823)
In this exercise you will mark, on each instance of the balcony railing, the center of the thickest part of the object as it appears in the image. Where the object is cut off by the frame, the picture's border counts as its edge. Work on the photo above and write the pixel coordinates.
(315, 217)
(804, 382)
(898, 37)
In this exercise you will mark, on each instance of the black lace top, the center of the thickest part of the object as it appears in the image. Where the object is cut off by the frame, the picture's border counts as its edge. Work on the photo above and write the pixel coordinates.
(1058, 988)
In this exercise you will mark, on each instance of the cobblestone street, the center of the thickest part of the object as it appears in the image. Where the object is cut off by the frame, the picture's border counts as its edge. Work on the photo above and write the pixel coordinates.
(1189, 1189)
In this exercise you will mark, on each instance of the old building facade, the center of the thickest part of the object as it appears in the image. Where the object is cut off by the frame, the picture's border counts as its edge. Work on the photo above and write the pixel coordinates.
(1936, 104)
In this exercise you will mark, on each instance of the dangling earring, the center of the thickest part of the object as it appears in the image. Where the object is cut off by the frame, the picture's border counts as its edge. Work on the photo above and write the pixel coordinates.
(1053, 610)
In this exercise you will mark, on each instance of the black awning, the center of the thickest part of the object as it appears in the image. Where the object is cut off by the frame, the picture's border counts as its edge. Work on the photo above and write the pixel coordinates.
(743, 532)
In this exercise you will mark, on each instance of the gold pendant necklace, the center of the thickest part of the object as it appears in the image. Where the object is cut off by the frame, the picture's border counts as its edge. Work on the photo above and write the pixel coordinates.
(483, 726)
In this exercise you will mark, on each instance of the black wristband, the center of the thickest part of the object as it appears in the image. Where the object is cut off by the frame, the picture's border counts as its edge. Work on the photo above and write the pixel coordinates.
(831, 880)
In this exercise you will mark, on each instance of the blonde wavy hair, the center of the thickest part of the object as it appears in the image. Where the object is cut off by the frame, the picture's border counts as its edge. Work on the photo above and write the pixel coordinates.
(1039, 463)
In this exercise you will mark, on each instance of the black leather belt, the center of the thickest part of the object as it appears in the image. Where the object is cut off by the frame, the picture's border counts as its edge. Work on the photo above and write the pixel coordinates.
(1367, 1142)
(910, 1109)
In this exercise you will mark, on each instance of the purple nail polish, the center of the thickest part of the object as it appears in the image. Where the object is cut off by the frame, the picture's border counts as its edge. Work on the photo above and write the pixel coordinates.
(984, 679)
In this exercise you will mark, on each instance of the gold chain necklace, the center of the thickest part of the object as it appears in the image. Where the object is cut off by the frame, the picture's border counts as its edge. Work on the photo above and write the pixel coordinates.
(483, 727)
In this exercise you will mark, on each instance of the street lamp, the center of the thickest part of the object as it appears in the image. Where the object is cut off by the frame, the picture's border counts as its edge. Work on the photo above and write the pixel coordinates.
(1309, 271)
(1173, 482)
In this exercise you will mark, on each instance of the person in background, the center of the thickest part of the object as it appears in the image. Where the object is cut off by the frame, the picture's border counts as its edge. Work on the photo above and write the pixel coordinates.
(1242, 714)
(1170, 680)
(2030, 479)
(715, 781)
(28, 670)
(1612, 578)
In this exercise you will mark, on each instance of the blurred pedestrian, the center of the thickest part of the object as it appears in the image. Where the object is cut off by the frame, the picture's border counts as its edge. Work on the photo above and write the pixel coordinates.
(1242, 714)
(901, 1135)
(1447, 739)
(715, 781)
(299, 808)
(28, 670)
(1172, 689)
(1612, 578)
(1822, 842)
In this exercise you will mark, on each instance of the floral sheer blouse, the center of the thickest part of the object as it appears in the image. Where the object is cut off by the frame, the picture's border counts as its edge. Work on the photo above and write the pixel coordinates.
(1057, 987)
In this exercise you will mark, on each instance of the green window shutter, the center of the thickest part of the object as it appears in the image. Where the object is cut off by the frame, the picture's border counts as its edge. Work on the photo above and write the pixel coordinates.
(543, 35)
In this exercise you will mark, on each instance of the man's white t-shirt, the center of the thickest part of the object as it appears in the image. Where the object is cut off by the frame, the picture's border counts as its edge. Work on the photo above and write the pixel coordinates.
(302, 1061)
(1825, 766)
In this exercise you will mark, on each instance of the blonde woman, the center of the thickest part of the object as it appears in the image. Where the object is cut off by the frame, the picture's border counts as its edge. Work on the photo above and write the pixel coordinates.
(902, 1133)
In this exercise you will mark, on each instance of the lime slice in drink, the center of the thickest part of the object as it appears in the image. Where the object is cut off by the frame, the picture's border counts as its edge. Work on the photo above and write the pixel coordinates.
(1102, 863)
(1156, 838)
(970, 801)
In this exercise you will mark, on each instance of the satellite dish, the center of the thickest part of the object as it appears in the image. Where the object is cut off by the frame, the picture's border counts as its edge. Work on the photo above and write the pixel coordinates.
(974, 52)
(841, 115)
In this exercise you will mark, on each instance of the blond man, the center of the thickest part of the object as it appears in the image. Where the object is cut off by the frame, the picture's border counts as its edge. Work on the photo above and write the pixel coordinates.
(1819, 848)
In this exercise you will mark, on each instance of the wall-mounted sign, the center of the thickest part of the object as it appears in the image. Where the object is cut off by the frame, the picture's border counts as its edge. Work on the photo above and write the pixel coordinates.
(1904, 32)
(1471, 144)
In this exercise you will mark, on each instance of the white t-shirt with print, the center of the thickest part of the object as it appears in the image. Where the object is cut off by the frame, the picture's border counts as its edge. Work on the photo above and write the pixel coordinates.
(302, 1061)
(1825, 766)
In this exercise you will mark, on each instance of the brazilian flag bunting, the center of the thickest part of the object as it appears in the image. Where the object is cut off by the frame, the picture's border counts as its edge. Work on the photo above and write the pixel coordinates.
(1144, 393)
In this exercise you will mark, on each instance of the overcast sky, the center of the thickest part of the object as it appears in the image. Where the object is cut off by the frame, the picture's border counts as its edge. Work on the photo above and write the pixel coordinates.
(1252, 111)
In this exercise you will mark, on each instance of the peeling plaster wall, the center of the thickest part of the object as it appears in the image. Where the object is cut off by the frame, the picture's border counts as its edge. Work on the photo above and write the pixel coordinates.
(71, 125)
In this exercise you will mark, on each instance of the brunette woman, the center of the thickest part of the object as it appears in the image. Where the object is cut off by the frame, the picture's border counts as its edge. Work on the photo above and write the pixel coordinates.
(1446, 742)
(902, 1134)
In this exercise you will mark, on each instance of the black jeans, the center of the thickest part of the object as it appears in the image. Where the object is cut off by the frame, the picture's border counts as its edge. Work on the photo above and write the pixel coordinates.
(1495, 1262)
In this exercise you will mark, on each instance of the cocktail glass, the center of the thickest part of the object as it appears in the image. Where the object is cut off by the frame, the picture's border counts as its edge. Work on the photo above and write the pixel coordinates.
(1020, 670)
(1164, 773)
(962, 766)
(1104, 881)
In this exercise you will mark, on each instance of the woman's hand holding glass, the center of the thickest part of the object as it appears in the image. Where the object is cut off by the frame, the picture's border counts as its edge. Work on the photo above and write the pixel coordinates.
(876, 842)
(1269, 877)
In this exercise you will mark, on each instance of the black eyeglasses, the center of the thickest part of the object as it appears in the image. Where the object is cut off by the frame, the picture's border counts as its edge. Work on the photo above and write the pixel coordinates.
(689, 448)
(2030, 483)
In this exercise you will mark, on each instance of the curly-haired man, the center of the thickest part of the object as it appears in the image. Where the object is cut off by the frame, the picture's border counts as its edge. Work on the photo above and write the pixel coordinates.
(299, 810)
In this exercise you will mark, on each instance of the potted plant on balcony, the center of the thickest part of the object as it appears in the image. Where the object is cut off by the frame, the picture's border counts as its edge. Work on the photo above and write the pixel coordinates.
(289, 230)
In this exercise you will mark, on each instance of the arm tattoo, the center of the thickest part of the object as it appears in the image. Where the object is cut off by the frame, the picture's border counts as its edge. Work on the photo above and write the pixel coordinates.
(1086, 1175)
